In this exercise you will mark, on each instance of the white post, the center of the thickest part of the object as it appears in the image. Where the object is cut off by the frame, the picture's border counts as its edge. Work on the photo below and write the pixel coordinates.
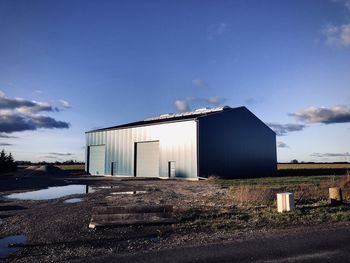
(285, 202)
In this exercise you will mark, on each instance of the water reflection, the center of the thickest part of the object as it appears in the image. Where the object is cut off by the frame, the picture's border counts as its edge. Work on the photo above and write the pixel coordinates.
(11, 244)
(50, 193)
(73, 200)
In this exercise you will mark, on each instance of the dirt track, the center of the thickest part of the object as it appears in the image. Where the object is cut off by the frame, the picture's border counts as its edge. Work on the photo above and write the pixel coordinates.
(57, 231)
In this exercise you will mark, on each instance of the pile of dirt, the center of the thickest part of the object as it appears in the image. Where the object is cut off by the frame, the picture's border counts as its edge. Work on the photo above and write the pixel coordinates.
(42, 171)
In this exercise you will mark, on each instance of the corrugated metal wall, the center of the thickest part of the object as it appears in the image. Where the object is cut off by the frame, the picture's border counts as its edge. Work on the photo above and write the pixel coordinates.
(177, 142)
(236, 144)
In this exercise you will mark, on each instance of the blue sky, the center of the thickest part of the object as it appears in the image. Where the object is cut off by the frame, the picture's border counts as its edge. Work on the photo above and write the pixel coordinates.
(70, 66)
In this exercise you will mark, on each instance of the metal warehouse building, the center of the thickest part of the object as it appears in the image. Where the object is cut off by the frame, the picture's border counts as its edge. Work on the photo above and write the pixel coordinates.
(226, 142)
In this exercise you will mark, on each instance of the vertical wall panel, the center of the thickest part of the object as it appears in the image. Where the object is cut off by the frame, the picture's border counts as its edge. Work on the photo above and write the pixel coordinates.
(177, 142)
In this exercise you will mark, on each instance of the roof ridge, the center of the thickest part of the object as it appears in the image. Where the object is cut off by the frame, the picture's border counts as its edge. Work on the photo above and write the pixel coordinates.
(187, 113)
(165, 118)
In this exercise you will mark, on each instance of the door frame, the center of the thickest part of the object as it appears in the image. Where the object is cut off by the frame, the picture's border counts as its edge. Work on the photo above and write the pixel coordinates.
(88, 160)
(135, 155)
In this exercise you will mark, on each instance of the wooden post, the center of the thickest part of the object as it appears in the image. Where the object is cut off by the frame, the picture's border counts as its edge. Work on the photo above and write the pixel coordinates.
(335, 195)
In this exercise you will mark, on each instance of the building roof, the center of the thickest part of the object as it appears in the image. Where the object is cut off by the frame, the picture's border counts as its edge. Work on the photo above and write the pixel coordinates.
(164, 118)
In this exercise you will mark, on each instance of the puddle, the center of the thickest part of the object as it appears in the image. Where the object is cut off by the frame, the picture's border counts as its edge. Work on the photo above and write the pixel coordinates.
(94, 188)
(129, 193)
(73, 200)
(11, 244)
(60, 191)
(50, 193)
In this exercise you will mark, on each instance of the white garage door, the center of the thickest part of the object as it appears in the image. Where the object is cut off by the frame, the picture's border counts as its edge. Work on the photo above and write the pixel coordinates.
(147, 159)
(97, 160)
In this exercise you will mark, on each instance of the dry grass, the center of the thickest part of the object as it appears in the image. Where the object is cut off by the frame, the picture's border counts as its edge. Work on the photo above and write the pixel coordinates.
(71, 166)
(344, 181)
(305, 191)
(283, 166)
(253, 194)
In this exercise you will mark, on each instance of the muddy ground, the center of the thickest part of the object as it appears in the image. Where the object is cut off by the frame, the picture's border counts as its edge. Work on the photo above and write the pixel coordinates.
(58, 231)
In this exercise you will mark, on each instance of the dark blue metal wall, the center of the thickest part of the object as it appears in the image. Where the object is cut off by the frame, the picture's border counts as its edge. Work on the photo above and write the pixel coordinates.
(235, 144)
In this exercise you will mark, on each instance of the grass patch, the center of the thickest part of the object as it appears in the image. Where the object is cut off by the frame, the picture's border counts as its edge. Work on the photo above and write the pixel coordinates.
(283, 166)
(278, 181)
(255, 200)
(71, 166)
(250, 218)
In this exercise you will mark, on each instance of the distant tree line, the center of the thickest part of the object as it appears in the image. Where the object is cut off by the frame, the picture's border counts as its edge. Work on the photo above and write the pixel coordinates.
(7, 163)
(295, 161)
(43, 162)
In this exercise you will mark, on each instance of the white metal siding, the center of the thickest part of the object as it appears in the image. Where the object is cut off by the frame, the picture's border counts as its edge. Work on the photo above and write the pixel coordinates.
(147, 159)
(177, 142)
(97, 160)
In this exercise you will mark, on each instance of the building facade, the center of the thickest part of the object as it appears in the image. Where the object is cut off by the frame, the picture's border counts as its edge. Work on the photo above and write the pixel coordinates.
(225, 142)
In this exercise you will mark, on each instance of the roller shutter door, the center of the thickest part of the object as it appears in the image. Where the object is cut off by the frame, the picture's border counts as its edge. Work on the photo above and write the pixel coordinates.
(97, 160)
(147, 159)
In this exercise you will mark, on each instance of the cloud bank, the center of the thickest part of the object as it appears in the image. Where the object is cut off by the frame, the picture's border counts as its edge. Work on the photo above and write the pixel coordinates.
(330, 154)
(338, 35)
(56, 155)
(7, 136)
(184, 105)
(65, 104)
(19, 114)
(283, 129)
(339, 114)
(60, 154)
(282, 145)
(5, 144)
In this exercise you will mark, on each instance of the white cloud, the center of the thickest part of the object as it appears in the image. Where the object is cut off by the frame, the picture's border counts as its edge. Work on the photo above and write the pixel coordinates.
(182, 105)
(65, 104)
(338, 114)
(338, 36)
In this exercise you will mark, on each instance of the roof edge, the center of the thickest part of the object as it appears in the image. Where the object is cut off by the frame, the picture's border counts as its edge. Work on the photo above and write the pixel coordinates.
(178, 118)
